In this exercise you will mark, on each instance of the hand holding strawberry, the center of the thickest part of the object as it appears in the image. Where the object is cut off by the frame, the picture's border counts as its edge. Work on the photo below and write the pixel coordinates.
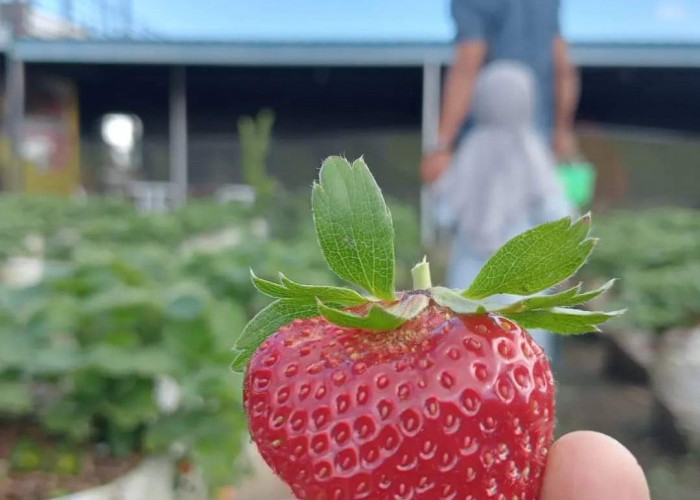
(427, 394)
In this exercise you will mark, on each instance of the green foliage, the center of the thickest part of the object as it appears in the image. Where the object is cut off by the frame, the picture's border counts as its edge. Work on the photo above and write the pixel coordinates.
(664, 297)
(66, 461)
(267, 322)
(15, 397)
(656, 253)
(378, 318)
(255, 134)
(124, 300)
(535, 260)
(26, 456)
(354, 226)
(355, 231)
(562, 320)
(646, 239)
(570, 297)
(64, 226)
(288, 289)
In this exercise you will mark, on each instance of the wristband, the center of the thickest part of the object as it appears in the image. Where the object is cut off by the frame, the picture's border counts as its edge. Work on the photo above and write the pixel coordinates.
(440, 148)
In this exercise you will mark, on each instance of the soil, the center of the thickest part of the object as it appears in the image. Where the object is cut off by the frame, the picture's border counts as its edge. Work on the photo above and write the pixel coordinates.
(94, 467)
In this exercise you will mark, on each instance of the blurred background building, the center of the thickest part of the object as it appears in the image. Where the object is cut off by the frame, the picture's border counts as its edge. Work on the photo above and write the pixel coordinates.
(184, 74)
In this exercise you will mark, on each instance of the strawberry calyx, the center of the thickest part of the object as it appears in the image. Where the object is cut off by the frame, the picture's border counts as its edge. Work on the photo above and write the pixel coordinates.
(356, 236)
(421, 275)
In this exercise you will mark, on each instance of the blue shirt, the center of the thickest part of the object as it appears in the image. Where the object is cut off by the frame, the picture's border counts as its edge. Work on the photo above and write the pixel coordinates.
(519, 30)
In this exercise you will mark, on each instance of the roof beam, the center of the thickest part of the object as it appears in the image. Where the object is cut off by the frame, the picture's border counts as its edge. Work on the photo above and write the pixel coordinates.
(331, 54)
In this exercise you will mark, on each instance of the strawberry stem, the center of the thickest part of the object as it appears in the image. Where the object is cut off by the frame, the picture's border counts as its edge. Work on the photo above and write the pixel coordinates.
(421, 275)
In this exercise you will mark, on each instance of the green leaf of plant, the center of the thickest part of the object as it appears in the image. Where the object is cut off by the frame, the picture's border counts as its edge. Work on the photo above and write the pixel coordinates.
(266, 322)
(129, 406)
(377, 317)
(582, 298)
(185, 307)
(570, 297)
(54, 360)
(68, 417)
(354, 226)
(225, 317)
(214, 438)
(340, 295)
(120, 299)
(26, 456)
(452, 299)
(15, 397)
(269, 288)
(291, 290)
(144, 361)
(535, 260)
(16, 351)
(562, 320)
(544, 301)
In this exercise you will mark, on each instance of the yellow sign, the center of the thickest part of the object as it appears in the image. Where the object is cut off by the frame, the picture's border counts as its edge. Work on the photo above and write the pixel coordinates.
(51, 146)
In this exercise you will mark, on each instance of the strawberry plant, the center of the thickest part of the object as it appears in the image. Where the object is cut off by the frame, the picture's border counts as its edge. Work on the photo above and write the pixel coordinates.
(255, 134)
(655, 253)
(428, 393)
(64, 224)
(83, 349)
(122, 305)
(648, 239)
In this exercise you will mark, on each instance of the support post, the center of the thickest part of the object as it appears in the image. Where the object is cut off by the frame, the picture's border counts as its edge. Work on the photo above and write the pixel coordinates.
(429, 134)
(178, 135)
(15, 111)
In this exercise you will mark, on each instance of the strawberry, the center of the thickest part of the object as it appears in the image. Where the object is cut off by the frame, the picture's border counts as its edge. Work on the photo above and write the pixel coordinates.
(428, 394)
(445, 406)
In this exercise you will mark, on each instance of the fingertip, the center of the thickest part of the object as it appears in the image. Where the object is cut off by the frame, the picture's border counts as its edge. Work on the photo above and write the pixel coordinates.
(587, 465)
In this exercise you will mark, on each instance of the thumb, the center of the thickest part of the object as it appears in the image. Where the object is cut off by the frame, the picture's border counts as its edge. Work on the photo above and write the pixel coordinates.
(592, 466)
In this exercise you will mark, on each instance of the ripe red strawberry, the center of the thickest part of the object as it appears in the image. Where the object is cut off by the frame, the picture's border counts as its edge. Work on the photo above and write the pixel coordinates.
(431, 394)
(446, 406)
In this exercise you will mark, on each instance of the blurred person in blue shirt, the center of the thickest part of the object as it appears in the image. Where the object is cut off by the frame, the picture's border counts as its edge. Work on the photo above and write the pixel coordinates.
(526, 31)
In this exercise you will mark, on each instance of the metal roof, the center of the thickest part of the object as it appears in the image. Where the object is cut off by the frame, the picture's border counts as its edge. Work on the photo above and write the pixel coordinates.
(315, 54)
(231, 54)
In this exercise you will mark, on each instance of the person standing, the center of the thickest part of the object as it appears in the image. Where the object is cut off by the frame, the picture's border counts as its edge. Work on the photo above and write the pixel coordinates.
(495, 177)
(526, 31)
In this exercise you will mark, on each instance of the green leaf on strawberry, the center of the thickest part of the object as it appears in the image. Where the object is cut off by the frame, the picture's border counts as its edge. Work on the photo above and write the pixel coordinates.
(562, 320)
(535, 260)
(355, 233)
(454, 300)
(378, 317)
(288, 289)
(354, 226)
(570, 297)
(268, 321)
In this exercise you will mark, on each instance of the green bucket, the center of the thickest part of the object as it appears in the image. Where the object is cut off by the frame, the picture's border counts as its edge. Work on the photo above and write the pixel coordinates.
(578, 179)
